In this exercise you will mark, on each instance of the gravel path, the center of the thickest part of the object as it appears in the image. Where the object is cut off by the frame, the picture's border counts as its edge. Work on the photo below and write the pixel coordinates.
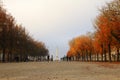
(59, 71)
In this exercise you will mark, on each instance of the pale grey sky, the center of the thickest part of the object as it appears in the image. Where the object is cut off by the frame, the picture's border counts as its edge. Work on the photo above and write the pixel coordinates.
(55, 22)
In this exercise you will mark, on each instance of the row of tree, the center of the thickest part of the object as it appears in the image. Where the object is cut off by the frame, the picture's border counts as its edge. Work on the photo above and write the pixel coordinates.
(15, 41)
(104, 43)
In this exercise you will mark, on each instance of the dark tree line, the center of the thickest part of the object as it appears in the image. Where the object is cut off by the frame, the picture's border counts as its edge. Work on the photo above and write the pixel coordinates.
(15, 41)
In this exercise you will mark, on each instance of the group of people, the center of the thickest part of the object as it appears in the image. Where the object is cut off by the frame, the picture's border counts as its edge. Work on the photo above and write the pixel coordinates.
(50, 58)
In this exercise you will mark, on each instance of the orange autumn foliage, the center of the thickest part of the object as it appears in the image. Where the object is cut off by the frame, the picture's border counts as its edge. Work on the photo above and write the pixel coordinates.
(79, 45)
(106, 37)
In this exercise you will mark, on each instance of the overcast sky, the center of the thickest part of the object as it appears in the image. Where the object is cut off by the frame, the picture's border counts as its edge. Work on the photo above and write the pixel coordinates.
(55, 22)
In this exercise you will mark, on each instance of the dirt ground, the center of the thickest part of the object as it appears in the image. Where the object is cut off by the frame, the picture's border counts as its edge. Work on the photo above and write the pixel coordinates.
(59, 71)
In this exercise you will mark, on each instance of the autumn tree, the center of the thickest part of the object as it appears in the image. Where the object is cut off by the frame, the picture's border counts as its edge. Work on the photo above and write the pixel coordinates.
(108, 25)
(3, 29)
(106, 36)
(81, 47)
(15, 41)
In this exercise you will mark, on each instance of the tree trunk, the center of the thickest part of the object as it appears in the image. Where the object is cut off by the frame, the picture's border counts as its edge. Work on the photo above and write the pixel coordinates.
(86, 55)
(102, 57)
(82, 57)
(109, 52)
(94, 57)
(3, 56)
(102, 53)
(105, 55)
(90, 56)
(118, 54)
(97, 57)
(8, 55)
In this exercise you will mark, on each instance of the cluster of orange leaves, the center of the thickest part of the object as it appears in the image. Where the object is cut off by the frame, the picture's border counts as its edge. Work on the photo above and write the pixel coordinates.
(107, 26)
